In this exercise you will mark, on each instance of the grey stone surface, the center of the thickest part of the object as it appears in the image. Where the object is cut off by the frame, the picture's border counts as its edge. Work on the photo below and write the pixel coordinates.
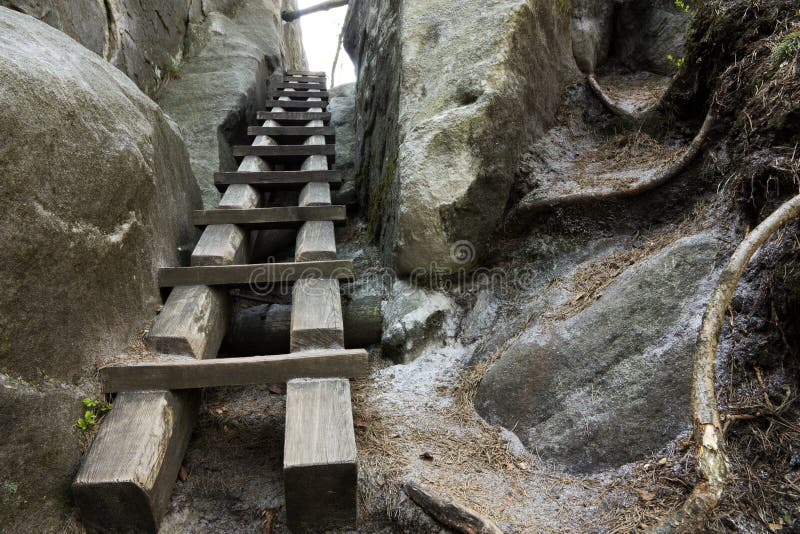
(467, 87)
(611, 384)
(343, 109)
(97, 193)
(646, 32)
(223, 84)
(592, 30)
(410, 316)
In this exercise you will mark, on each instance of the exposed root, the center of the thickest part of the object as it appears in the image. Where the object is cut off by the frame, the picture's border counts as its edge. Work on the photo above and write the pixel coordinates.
(637, 118)
(449, 513)
(708, 431)
(530, 205)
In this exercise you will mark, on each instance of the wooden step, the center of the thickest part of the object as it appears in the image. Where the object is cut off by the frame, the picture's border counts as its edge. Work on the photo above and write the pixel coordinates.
(325, 95)
(294, 116)
(305, 73)
(320, 464)
(294, 131)
(256, 274)
(181, 374)
(283, 151)
(280, 217)
(296, 104)
(298, 86)
(316, 79)
(277, 180)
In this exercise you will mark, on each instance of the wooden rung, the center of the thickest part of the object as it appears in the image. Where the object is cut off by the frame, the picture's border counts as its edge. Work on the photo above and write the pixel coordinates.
(317, 322)
(284, 150)
(127, 476)
(295, 116)
(297, 104)
(295, 131)
(317, 79)
(256, 274)
(181, 374)
(277, 180)
(280, 217)
(300, 94)
(319, 460)
(306, 73)
(298, 86)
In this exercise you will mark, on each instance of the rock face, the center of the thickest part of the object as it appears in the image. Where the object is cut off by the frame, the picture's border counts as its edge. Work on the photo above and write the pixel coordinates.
(647, 32)
(97, 192)
(592, 31)
(611, 384)
(223, 84)
(443, 117)
(342, 106)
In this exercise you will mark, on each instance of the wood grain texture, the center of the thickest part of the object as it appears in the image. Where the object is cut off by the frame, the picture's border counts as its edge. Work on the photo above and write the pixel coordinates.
(255, 274)
(277, 180)
(318, 73)
(192, 322)
(295, 104)
(316, 316)
(185, 373)
(127, 476)
(320, 462)
(294, 131)
(296, 116)
(284, 150)
(299, 94)
(279, 217)
(298, 86)
(315, 79)
(316, 241)
(315, 194)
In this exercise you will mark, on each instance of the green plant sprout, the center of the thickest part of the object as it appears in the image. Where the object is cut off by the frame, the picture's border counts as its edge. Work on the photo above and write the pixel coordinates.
(94, 410)
(678, 62)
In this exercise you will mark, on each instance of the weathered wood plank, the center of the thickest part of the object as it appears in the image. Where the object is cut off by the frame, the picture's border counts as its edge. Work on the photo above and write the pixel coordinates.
(279, 217)
(192, 322)
(256, 274)
(299, 94)
(295, 104)
(316, 241)
(298, 86)
(284, 150)
(316, 316)
(319, 73)
(185, 373)
(277, 180)
(319, 461)
(294, 131)
(127, 476)
(316, 79)
(297, 116)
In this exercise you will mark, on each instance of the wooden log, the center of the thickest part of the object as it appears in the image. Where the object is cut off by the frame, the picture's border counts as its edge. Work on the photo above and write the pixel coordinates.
(319, 460)
(127, 476)
(296, 116)
(295, 131)
(264, 329)
(185, 373)
(449, 513)
(277, 180)
(192, 322)
(278, 217)
(255, 274)
(282, 151)
(316, 315)
(295, 104)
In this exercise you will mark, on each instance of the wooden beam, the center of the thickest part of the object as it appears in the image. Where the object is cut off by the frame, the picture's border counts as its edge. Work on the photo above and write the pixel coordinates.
(297, 116)
(305, 73)
(325, 95)
(294, 131)
(295, 104)
(316, 316)
(315, 242)
(297, 86)
(256, 274)
(289, 16)
(277, 180)
(315, 79)
(319, 460)
(127, 476)
(284, 150)
(279, 217)
(192, 374)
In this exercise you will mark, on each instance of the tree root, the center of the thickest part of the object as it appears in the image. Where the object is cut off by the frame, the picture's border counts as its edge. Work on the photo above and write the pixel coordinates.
(530, 205)
(708, 431)
(453, 515)
(636, 118)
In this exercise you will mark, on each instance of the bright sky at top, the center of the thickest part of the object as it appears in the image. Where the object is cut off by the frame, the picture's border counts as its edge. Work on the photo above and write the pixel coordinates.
(321, 36)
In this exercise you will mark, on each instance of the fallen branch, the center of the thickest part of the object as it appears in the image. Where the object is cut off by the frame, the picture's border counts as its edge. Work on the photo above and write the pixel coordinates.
(708, 432)
(289, 16)
(448, 513)
(618, 110)
(531, 206)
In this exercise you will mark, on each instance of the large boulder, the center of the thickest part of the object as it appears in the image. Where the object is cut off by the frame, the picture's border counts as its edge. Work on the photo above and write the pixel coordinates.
(97, 193)
(647, 31)
(611, 384)
(342, 106)
(447, 98)
(223, 83)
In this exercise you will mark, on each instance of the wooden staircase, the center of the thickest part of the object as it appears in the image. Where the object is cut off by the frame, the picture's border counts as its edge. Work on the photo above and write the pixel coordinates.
(128, 474)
